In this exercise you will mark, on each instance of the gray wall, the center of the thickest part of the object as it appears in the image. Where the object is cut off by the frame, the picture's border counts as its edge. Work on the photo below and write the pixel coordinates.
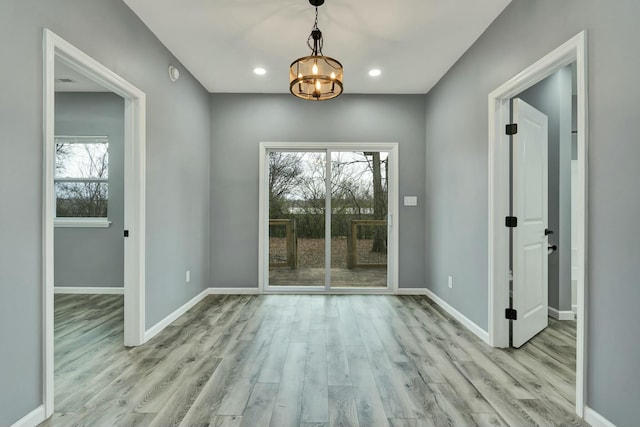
(90, 257)
(552, 96)
(457, 177)
(177, 202)
(240, 122)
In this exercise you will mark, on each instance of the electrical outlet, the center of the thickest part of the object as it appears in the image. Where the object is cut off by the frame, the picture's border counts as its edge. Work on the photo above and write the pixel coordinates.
(188, 276)
(450, 282)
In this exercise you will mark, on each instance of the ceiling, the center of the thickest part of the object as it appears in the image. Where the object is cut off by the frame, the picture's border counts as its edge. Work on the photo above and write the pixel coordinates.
(413, 42)
(69, 80)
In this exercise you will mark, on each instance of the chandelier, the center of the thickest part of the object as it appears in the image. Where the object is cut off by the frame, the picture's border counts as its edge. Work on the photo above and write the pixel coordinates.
(315, 77)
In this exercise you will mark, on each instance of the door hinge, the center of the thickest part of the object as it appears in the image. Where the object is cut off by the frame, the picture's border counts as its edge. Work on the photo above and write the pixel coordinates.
(512, 129)
(126, 233)
(511, 314)
(511, 221)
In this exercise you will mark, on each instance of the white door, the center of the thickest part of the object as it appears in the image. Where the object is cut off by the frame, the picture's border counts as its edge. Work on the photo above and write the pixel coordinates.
(530, 206)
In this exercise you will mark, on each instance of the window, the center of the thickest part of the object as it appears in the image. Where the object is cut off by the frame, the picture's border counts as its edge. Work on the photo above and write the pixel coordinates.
(82, 181)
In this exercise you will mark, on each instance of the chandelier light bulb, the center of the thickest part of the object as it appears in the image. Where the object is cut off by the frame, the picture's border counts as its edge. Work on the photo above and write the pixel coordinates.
(318, 85)
(314, 70)
(333, 75)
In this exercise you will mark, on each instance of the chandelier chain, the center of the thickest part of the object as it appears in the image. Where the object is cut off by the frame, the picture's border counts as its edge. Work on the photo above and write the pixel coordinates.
(315, 25)
(315, 45)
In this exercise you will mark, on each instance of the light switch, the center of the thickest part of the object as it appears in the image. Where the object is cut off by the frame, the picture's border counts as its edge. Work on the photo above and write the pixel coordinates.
(410, 200)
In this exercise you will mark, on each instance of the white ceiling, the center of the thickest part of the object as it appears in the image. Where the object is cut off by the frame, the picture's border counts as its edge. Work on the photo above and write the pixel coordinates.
(413, 42)
(78, 83)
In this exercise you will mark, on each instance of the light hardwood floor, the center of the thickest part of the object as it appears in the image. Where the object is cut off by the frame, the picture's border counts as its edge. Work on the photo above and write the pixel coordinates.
(304, 360)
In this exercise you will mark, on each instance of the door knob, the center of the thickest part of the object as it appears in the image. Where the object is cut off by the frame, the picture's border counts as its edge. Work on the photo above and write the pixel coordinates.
(547, 231)
(552, 248)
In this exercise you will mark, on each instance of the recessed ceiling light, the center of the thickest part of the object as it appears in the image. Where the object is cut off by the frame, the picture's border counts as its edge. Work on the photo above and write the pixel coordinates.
(375, 72)
(260, 71)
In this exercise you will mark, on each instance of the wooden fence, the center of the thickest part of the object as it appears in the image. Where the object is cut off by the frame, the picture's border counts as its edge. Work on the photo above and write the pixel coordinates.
(291, 240)
(352, 242)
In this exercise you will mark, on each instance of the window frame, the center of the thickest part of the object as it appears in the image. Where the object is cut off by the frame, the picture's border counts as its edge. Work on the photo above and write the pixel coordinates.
(80, 222)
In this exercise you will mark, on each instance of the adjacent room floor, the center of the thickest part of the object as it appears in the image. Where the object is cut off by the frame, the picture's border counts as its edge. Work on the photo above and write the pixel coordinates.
(305, 360)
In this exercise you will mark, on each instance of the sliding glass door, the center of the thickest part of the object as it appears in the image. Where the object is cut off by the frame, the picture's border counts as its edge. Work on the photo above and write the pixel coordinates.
(297, 203)
(329, 219)
(359, 219)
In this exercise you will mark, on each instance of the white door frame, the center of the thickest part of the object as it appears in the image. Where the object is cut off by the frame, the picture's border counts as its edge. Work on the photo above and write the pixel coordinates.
(57, 49)
(574, 50)
(263, 229)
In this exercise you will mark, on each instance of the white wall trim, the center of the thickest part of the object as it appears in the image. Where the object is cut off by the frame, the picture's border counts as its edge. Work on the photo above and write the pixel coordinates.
(233, 291)
(561, 314)
(468, 323)
(57, 49)
(595, 419)
(574, 50)
(158, 327)
(32, 419)
(82, 223)
(107, 290)
(412, 291)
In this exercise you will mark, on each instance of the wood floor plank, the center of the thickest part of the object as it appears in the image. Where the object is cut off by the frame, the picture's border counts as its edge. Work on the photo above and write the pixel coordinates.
(260, 405)
(180, 399)
(315, 394)
(423, 397)
(403, 422)
(369, 404)
(226, 421)
(395, 401)
(337, 365)
(271, 370)
(509, 407)
(300, 324)
(206, 405)
(305, 360)
(488, 420)
(342, 407)
(348, 322)
(289, 400)
(236, 396)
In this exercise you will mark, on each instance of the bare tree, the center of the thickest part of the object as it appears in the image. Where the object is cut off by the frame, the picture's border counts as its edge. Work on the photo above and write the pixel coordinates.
(86, 193)
(379, 201)
(285, 173)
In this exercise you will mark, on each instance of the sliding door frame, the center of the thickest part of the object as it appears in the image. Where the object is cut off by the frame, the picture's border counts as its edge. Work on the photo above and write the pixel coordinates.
(328, 148)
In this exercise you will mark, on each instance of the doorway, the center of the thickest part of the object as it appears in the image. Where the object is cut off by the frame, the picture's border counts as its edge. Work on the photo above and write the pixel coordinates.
(327, 218)
(58, 51)
(574, 50)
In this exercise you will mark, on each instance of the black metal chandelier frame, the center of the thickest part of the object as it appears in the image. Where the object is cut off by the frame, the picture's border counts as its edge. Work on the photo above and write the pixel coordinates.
(316, 77)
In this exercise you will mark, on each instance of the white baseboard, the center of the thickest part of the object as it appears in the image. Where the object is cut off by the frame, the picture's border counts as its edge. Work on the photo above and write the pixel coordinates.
(411, 291)
(233, 291)
(32, 419)
(595, 419)
(481, 333)
(561, 314)
(116, 290)
(155, 329)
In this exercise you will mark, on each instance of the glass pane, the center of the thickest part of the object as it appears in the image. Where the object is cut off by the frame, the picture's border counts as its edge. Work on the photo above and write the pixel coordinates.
(296, 218)
(359, 201)
(81, 199)
(82, 160)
